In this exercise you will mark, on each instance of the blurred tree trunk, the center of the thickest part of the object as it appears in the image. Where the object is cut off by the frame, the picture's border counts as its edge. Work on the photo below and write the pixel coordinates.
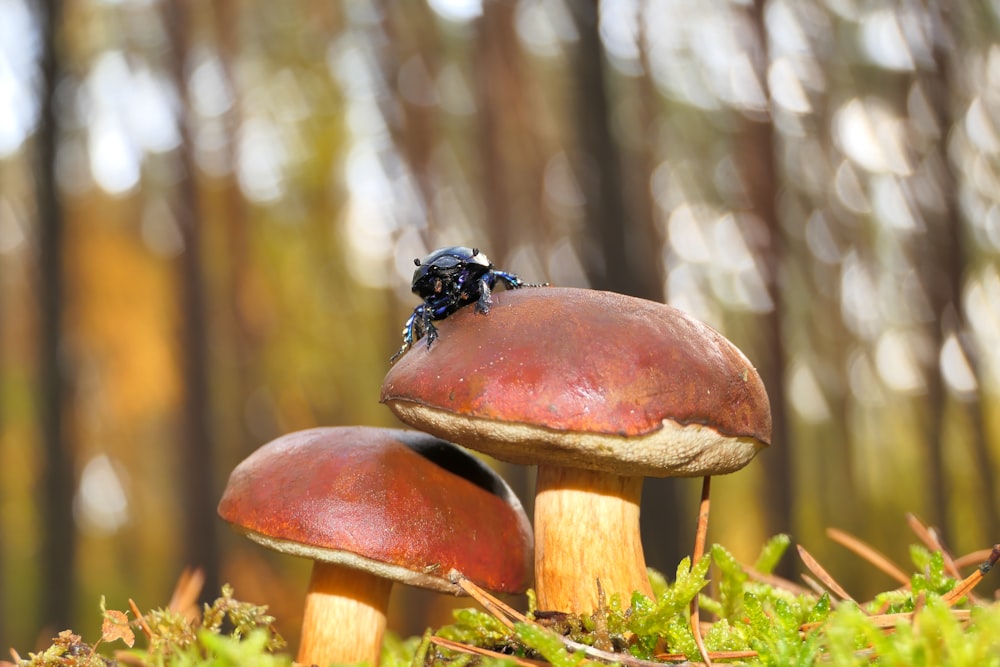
(500, 103)
(509, 139)
(943, 265)
(827, 464)
(617, 252)
(755, 158)
(242, 333)
(57, 478)
(498, 85)
(197, 451)
(617, 255)
(598, 163)
(408, 58)
(512, 168)
(4, 640)
(650, 241)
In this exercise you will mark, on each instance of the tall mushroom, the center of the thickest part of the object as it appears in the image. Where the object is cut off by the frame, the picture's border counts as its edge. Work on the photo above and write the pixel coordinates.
(599, 390)
(371, 507)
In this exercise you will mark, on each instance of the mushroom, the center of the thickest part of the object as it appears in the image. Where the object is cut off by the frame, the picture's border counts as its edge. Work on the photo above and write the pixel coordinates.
(371, 507)
(599, 390)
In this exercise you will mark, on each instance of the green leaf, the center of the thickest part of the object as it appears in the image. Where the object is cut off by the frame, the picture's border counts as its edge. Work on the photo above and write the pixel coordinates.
(673, 601)
(731, 585)
(820, 611)
(548, 645)
(472, 625)
(772, 553)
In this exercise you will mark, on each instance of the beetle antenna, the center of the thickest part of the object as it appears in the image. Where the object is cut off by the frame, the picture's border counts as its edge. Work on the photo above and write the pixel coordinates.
(416, 261)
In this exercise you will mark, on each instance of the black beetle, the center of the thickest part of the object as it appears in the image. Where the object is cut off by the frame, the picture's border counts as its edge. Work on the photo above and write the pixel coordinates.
(448, 279)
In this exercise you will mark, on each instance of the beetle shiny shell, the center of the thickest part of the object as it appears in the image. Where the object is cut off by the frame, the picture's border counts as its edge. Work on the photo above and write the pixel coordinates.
(449, 279)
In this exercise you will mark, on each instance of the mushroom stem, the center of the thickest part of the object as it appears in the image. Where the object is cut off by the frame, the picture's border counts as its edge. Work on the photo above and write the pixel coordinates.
(587, 529)
(344, 617)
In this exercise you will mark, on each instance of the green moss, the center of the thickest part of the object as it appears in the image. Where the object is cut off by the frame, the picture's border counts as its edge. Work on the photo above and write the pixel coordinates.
(175, 639)
(769, 624)
(781, 626)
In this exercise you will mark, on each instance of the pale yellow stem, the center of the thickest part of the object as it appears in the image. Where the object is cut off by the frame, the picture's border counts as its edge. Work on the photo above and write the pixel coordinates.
(344, 618)
(587, 529)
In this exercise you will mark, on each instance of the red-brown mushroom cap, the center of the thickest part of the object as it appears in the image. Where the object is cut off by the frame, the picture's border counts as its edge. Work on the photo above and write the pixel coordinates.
(642, 388)
(402, 504)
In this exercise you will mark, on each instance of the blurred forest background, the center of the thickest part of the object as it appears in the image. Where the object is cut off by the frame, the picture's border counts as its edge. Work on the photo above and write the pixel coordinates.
(209, 212)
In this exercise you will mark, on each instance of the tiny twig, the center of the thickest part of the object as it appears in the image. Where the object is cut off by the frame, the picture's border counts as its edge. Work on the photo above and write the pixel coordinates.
(932, 541)
(817, 588)
(505, 614)
(184, 599)
(498, 608)
(700, 538)
(973, 558)
(921, 530)
(869, 553)
(602, 638)
(140, 619)
(130, 659)
(965, 586)
(890, 620)
(475, 650)
(701, 532)
(822, 574)
(775, 581)
(607, 656)
(717, 655)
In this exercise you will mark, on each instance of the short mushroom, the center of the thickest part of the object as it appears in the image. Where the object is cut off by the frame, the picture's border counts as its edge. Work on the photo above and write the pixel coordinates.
(599, 390)
(371, 507)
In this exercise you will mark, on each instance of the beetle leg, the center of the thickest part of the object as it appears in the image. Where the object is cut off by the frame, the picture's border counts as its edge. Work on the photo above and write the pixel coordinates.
(509, 279)
(398, 354)
(427, 325)
(485, 297)
(411, 334)
(513, 282)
